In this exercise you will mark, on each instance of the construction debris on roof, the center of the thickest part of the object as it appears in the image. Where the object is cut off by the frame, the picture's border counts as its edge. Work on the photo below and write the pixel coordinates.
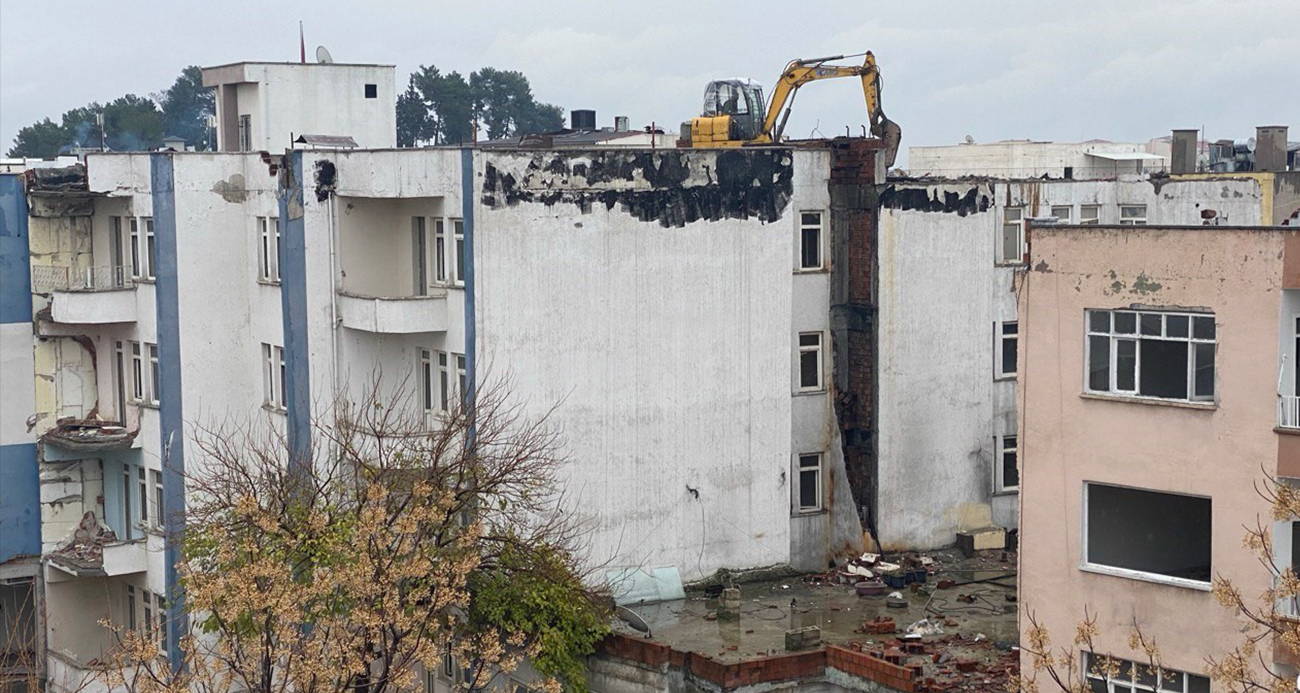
(83, 554)
(89, 435)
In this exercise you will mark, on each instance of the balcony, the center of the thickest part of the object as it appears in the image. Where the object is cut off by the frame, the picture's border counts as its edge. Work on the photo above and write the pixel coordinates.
(90, 295)
(1288, 411)
(95, 551)
(394, 314)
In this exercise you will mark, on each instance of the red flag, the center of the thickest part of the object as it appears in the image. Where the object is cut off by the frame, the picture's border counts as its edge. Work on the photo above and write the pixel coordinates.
(302, 44)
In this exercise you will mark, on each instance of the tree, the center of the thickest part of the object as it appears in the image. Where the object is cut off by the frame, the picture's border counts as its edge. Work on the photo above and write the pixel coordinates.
(413, 121)
(503, 101)
(443, 108)
(396, 547)
(40, 140)
(132, 123)
(186, 106)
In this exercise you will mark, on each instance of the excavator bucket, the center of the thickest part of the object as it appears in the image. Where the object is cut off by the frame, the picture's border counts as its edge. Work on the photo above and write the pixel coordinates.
(889, 131)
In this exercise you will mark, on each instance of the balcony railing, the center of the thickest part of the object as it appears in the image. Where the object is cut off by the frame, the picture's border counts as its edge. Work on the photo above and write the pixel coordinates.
(1288, 411)
(47, 279)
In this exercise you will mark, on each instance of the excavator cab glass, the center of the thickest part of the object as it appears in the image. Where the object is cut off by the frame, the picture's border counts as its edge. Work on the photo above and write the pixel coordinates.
(742, 99)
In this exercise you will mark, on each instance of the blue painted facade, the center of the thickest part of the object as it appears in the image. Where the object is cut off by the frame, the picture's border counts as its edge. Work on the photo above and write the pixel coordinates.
(293, 304)
(170, 409)
(467, 214)
(20, 512)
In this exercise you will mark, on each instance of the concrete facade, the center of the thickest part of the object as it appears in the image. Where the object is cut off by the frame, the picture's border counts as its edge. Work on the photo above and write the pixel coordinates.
(1096, 159)
(1174, 453)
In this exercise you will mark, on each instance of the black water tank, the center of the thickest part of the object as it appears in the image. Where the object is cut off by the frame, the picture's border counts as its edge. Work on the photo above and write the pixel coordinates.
(582, 119)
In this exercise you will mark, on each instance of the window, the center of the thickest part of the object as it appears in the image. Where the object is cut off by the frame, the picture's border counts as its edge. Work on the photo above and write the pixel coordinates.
(156, 476)
(135, 248)
(143, 486)
(115, 253)
(439, 251)
(245, 133)
(1147, 534)
(119, 352)
(149, 266)
(148, 610)
(372, 91)
(810, 361)
(426, 381)
(448, 664)
(268, 251)
(810, 240)
(1062, 213)
(1004, 348)
(461, 383)
(810, 483)
(1008, 474)
(458, 272)
(1132, 215)
(1090, 214)
(1013, 234)
(273, 376)
(154, 381)
(137, 373)
(444, 381)
(161, 606)
(1106, 674)
(128, 516)
(130, 608)
(1151, 354)
(420, 256)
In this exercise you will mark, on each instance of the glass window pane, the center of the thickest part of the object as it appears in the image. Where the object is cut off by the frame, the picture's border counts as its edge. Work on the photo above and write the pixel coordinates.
(1150, 323)
(1008, 355)
(810, 249)
(1012, 214)
(1125, 364)
(1099, 320)
(808, 489)
(1171, 680)
(810, 339)
(1011, 242)
(1099, 363)
(1164, 369)
(1143, 674)
(1176, 325)
(1203, 376)
(809, 461)
(1197, 684)
(1010, 475)
(1126, 323)
(1010, 328)
(1203, 327)
(811, 218)
(809, 375)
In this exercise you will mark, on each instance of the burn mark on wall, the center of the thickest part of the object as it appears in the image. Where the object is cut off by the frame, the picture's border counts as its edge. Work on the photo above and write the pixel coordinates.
(933, 199)
(673, 188)
(325, 179)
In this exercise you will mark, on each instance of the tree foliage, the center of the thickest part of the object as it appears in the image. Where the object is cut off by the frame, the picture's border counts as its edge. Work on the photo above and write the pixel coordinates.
(400, 546)
(443, 108)
(131, 122)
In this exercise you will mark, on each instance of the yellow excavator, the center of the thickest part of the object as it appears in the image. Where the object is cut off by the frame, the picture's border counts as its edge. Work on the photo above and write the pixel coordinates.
(734, 115)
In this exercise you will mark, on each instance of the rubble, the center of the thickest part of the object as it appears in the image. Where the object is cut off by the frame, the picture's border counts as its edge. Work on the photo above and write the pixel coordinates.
(85, 549)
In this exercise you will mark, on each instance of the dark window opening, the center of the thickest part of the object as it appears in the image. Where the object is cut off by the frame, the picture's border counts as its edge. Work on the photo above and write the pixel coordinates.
(372, 91)
(1148, 531)
(1164, 369)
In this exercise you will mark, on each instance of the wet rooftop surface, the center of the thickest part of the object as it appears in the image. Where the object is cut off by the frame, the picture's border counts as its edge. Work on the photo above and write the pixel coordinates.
(982, 629)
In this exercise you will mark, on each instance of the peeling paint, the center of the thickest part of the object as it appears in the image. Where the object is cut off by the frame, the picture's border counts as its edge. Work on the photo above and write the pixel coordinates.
(232, 189)
(929, 199)
(1144, 285)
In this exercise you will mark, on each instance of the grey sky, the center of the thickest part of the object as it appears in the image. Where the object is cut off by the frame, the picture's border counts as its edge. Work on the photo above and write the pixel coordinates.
(1119, 70)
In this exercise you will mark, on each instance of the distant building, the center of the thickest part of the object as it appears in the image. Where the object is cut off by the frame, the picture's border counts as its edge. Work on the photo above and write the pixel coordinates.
(1035, 159)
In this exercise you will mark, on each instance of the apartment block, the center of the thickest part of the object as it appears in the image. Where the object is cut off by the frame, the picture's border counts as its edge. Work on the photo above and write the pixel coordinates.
(1157, 391)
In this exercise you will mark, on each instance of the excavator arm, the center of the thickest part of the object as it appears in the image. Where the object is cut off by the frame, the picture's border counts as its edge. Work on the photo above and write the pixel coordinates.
(801, 72)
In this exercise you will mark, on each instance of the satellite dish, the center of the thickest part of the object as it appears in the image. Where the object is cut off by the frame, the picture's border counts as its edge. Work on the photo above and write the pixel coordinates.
(323, 56)
(970, 140)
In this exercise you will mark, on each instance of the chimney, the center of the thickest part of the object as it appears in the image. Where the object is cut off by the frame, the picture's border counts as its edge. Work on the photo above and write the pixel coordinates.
(582, 119)
(1183, 154)
(620, 124)
(1270, 148)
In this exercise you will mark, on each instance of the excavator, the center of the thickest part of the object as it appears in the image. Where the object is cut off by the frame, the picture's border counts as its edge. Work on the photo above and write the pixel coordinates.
(734, 115)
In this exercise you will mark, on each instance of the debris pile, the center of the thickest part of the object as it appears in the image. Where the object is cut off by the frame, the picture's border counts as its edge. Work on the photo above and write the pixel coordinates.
(950, 663)
(85, 549)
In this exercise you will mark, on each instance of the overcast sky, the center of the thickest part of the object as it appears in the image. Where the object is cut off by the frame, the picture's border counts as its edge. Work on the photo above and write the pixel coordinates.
(1042, 69)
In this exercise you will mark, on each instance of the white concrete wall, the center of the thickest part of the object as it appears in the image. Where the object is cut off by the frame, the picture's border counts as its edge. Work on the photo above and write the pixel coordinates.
(1026, 159)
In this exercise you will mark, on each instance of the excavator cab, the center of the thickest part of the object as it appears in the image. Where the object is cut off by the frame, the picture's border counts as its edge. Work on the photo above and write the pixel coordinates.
(733, 113)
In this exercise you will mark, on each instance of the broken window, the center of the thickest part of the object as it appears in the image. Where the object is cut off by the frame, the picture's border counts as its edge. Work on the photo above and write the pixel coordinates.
(268, 250)
(1062, 213)
(1148, 532)
(1132, 215)
(1151, 354)
(1106, 674)
(458, 232)
(810, 240)
(1004, 348)
(1008, 474)
(810, 482)
(1090, 214)
(810, 361)
(1013, 234)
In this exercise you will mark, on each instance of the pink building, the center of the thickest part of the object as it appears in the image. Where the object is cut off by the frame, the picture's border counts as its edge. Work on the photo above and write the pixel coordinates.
(1157, 388)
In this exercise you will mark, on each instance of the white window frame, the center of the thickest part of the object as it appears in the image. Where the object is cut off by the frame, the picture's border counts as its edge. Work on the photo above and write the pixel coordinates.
(152, 350)
(129, 513)
(1006, 444)
(120, 375)
(1000, 339)
(131, 606)
(142, 487)
(1130, 573)
(138, 390)
(245, 131)
(420, 278)
(160, 606)
(1132, 215)
(137, 243)
(424, 378)
(1126, 682)
(150, 249)
(1089, 215)
(462, 383)
(1069, 213)
(809, 462)
(817, 225)
(155, 477)
(273, 377)
(268, 250)
(440, 251)
(1007, 222)
(445, 394)
(1136, 337)
(458, 252)
(819, 352)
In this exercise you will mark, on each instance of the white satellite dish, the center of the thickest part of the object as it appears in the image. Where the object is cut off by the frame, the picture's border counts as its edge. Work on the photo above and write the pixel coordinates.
(323, 56)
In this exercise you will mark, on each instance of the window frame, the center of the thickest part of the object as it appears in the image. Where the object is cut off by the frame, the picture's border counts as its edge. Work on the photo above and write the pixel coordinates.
(818, 471)
(153, 372)
(155, 477)
(1131, 573)
(137, 372)
(268, 249)
(1019, 223)
(1069, 213)
(1000, 464)
(1000, 339)
(1133, 220)
(136, 238)
(1133, 684)
(818, 226)
(424, 377)
(1137, 337)
(459, 262)
(273, 376)
(445, 395)
(440, 251)
(1094, 220)
(462, 378)
(818, 349)
(150, 245)
(420, 255)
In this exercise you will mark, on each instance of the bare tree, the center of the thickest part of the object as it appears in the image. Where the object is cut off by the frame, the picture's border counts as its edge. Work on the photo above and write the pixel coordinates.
(394, 547)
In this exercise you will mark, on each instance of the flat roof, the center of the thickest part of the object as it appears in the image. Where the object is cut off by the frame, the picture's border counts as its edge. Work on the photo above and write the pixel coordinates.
(299, 64)
(1126, 156)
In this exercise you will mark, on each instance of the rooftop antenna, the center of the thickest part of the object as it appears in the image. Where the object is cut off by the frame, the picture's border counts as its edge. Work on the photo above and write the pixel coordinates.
(323, 56)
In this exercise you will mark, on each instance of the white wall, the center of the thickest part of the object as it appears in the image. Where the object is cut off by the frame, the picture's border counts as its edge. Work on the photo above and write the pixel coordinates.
(1026, 159)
